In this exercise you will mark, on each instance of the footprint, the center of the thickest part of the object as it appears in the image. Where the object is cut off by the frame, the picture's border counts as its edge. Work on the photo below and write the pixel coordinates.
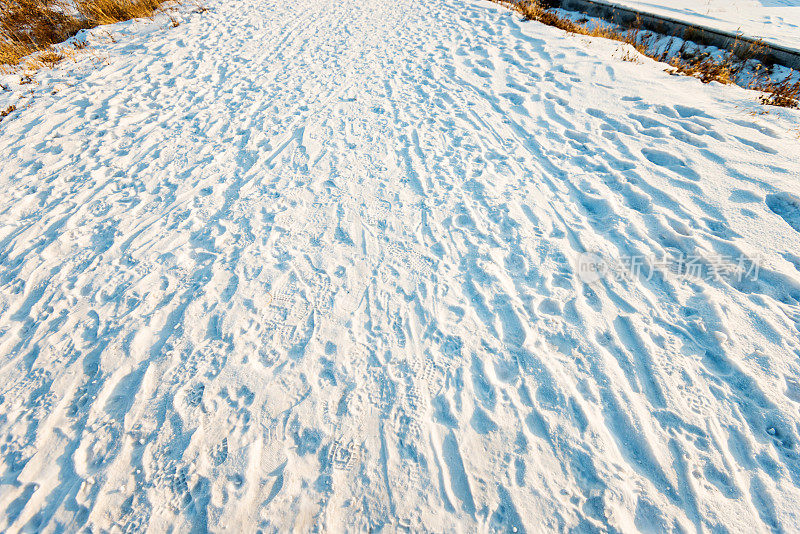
(742, 196)
(794, 260)
(195, 395)
(669, 161)
(687, 112)
(756, 145)
(514, 98)
(343, 456)
(787, 206)
(220, 452)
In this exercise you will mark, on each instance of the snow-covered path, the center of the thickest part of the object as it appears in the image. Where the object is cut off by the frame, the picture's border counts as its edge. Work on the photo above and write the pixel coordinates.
(313, 264)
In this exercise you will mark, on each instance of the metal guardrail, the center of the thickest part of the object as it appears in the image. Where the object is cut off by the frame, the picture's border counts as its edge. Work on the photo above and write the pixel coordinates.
(740, 45)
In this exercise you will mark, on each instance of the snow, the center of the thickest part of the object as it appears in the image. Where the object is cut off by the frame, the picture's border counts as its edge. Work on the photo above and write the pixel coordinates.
(353, 265)
(774, 21)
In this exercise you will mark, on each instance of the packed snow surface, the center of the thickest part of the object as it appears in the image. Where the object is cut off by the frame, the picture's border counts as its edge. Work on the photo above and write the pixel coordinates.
(352, 265)
(774, 21)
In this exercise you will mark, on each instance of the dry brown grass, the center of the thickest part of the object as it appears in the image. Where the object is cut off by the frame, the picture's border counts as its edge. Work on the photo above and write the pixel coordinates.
(50, 57)
(539, 11)
(784, 94)
(99, 12)
(706, 68)
(631, 57)
(7, 111)
(28, 26)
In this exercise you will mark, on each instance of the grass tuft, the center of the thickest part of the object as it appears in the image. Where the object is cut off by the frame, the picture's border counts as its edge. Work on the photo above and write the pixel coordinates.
(7, 111)
(706, 69)
(784, 94)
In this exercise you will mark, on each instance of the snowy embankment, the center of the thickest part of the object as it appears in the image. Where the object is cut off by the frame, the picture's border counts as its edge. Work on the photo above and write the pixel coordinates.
(355, 264)
(774, 21)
